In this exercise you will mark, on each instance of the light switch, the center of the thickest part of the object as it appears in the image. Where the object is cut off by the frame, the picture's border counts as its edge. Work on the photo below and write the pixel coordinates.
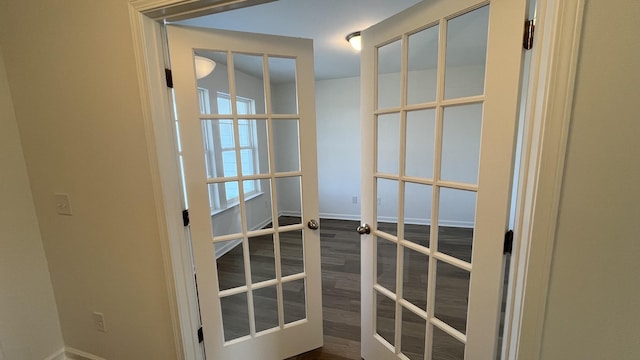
(63, 207)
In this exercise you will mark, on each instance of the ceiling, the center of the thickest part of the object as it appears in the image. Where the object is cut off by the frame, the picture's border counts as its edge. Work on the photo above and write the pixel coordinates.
(327, 22)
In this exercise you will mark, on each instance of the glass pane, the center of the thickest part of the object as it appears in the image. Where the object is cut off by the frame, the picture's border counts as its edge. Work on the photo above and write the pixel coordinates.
(387, 206)
(249, 84)
(423, 63)
(295, 307)
(224, 222)
(214, 83)
(230, 264)
(414, 330)
(466, 54)
(461, 131)
(259, 149)
(286, 145)
(420, 142)
(219, 148)
(385, 318)
(265, 304)
(415, 278)
(445, 347)
(291, 252)
(386, 263)
(455, 223)
(262, 258)
(388, 143)
(289, 199)
(417, 213)
(282, 75)
(258, 204)
(452, 294)
(389, 64)
(235, 316)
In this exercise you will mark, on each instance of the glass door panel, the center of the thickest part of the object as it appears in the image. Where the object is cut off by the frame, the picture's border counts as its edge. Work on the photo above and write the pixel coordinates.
(242, 123)
(426, 124)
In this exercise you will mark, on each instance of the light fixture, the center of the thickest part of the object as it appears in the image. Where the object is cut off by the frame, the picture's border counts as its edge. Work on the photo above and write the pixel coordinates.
(204, 66)
(355, 40)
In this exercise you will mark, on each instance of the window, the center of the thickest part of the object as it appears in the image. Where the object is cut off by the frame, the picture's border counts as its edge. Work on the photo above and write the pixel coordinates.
(220, 150)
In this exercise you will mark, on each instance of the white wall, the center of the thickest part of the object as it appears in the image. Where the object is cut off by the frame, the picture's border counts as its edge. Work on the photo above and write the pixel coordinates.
(338, 124)
(73, 81)
(29, 326)
(592, 305)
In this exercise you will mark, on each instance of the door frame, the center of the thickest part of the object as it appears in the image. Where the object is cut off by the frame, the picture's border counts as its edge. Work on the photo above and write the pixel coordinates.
(547, 117)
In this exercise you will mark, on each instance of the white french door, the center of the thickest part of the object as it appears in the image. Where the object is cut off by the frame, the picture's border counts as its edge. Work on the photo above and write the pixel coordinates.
(247, 135)
(439, 112)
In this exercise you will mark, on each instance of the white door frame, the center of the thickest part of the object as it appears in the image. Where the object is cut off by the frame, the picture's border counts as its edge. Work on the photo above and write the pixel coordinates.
(553, 67)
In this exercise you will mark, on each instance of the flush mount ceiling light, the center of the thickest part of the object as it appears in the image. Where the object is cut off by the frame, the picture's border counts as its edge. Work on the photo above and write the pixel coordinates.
(355, 40)
(204, 66)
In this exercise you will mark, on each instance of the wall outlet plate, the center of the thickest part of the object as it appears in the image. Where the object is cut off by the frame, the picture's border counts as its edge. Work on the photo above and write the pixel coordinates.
(98, 320)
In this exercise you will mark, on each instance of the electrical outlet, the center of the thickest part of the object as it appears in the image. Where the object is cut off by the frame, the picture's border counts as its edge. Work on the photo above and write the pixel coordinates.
(98, 320)
(63, 206)
(354, 199)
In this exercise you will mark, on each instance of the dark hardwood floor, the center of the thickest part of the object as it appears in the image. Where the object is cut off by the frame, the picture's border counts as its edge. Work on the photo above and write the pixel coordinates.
(340, 252)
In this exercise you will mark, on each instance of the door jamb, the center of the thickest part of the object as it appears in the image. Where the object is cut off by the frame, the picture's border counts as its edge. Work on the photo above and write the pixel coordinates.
(547, 117)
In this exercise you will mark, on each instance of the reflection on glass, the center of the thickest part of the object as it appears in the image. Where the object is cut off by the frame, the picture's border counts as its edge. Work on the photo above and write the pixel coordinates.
(286, 145)
(249, 84)
(462, 126)
(452, 293)
(282, 75)
(217, 82)
(291, 252)
(230, 264)
(455, 223)
(414, 330)
(265, 303)
(385, 318)
(386, 263)
(466, 54)
(445, 347)
(389, 64)
(289, 196)
(295, 307)
(423, 62)
(262, 258)
(417, 213)
(420, 141)
(388, 143)
(258, 204)
(235, 316)
(415, 278)
(387, 208)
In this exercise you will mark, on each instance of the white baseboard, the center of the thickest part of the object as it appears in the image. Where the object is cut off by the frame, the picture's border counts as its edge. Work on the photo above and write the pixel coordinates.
(232, 244)
(334, 216)
(58, 355)
(412, 221)
(75, 354)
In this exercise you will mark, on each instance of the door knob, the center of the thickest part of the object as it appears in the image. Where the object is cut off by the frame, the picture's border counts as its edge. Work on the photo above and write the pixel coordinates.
(313, 224)
(363, 229)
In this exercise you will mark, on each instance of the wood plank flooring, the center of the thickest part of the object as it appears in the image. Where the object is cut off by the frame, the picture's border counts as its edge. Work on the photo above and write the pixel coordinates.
(340, 252)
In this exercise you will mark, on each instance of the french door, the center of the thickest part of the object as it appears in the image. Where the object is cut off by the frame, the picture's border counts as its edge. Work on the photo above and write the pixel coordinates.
(439, 109)
(246, 123)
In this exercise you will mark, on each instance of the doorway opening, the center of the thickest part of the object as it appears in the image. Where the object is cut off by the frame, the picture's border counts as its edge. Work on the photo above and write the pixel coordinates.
(342, 220)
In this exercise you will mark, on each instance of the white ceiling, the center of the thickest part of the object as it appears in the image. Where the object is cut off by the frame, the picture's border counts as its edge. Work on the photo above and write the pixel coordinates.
(327, 22)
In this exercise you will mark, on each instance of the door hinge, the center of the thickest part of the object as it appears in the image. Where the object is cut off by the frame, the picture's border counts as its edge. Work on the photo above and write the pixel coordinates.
(200, 335)
(508, 242)
(169, 77)
(185, 217)
(529, 29)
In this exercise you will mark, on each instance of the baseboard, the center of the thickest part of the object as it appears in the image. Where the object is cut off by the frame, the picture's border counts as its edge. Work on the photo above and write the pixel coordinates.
(412, 221)
(75, 354)
(232, 244)
(334, 216)
(58, 355)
